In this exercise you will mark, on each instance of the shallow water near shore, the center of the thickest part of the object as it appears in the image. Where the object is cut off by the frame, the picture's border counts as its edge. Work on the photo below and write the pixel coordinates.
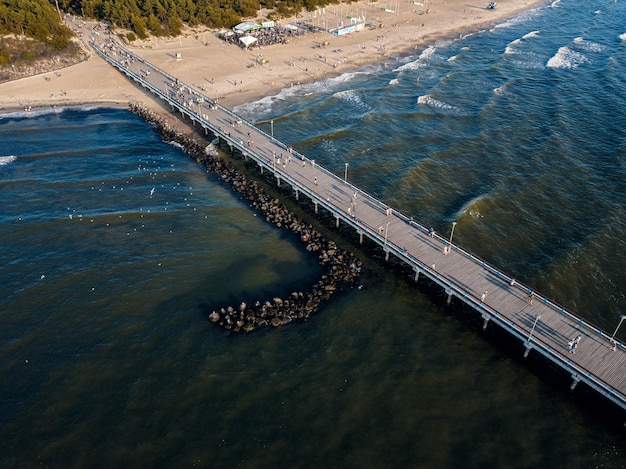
(107, 354)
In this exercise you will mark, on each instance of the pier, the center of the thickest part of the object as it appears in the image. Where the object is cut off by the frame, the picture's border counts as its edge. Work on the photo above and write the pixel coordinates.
(541, 325)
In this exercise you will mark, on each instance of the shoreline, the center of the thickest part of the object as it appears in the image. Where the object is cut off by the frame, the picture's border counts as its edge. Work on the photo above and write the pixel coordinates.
(235, 76)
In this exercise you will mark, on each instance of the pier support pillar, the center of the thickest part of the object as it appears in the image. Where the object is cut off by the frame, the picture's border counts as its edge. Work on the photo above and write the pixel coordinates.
(575, 381)
(337, 221)
(278, 181)
(485, 321)
(316, 206)
(360, 237)
(449, 293)
(297, 195)
(386, 255)
(527, 350)
(417, 273)
(261, 169)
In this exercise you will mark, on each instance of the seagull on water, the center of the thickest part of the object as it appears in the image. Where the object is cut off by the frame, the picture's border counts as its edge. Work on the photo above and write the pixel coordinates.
(151, 192)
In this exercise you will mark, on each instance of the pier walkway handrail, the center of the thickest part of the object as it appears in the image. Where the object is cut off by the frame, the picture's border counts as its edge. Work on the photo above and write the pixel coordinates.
(302, 185)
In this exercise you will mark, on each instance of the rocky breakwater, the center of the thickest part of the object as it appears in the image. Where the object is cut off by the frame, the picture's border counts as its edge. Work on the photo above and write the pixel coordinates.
(341, 268)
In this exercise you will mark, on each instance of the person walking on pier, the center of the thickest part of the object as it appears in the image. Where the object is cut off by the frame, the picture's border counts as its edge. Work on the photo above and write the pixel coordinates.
(315, 180)
(531, 297)
(574, 343)
(483, 296)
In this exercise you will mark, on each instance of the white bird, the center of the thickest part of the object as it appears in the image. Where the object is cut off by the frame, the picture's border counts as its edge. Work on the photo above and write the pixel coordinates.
(151, 192)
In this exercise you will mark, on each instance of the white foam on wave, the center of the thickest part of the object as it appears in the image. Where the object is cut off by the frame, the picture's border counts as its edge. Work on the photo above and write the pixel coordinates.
(428, 100)
(588, 46)
(566, 58)
(37, 112)
(510, 22)
(330, 149)
(499, 91)
(46, 111)
(531, 34)
(261, 106)
(453, 58)
(4, 160)
(572, 56)
(555, 3)
(257, 109)
(395, 81)
(419, 62)
(352, 97)
(622, 37)
(510, 48)
(176, 144)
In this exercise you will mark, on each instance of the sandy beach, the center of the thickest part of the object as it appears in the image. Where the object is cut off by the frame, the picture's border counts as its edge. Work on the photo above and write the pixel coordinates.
(234, 76)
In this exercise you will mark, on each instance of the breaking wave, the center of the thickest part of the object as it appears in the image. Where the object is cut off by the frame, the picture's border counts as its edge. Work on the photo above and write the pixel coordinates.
(566, 58)
(4, 160)
(419, 62)
(428, 100)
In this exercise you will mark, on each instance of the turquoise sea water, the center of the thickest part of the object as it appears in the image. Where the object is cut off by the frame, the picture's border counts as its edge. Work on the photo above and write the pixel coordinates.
(106, 353)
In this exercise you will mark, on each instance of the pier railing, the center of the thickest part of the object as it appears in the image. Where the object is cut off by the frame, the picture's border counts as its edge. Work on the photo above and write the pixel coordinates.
(386, 244)
(530, 341)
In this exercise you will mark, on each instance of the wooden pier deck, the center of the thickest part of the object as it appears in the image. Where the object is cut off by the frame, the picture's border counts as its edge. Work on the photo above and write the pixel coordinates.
(542, 325)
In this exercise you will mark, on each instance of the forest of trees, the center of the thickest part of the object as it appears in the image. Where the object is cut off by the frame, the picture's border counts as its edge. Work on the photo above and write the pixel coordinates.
(36, 19)
(167, 17)
(41, 21)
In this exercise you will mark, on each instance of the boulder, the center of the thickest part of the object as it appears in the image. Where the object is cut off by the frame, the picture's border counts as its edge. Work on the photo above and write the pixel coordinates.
(214, 316)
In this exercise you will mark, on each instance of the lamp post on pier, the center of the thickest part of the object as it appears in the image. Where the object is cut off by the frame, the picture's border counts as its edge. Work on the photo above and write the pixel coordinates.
(537, 316)
(621, 318)
(386, 231)
(345, 174)
(272, 127)
(446, 249)
(528, 346)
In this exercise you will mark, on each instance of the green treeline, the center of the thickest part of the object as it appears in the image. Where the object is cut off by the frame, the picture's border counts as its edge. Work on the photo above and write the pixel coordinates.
(40, 19)
(166, 17)
(37, 19)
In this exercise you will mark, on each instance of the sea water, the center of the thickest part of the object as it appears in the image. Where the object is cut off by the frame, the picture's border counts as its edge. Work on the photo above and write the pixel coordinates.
(115, 246)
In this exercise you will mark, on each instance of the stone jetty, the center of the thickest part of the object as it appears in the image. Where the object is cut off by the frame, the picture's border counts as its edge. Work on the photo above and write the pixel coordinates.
(341, 268)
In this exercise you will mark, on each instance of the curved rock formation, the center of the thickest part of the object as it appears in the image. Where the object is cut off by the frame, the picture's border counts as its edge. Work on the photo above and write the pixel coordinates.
(341, 268)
